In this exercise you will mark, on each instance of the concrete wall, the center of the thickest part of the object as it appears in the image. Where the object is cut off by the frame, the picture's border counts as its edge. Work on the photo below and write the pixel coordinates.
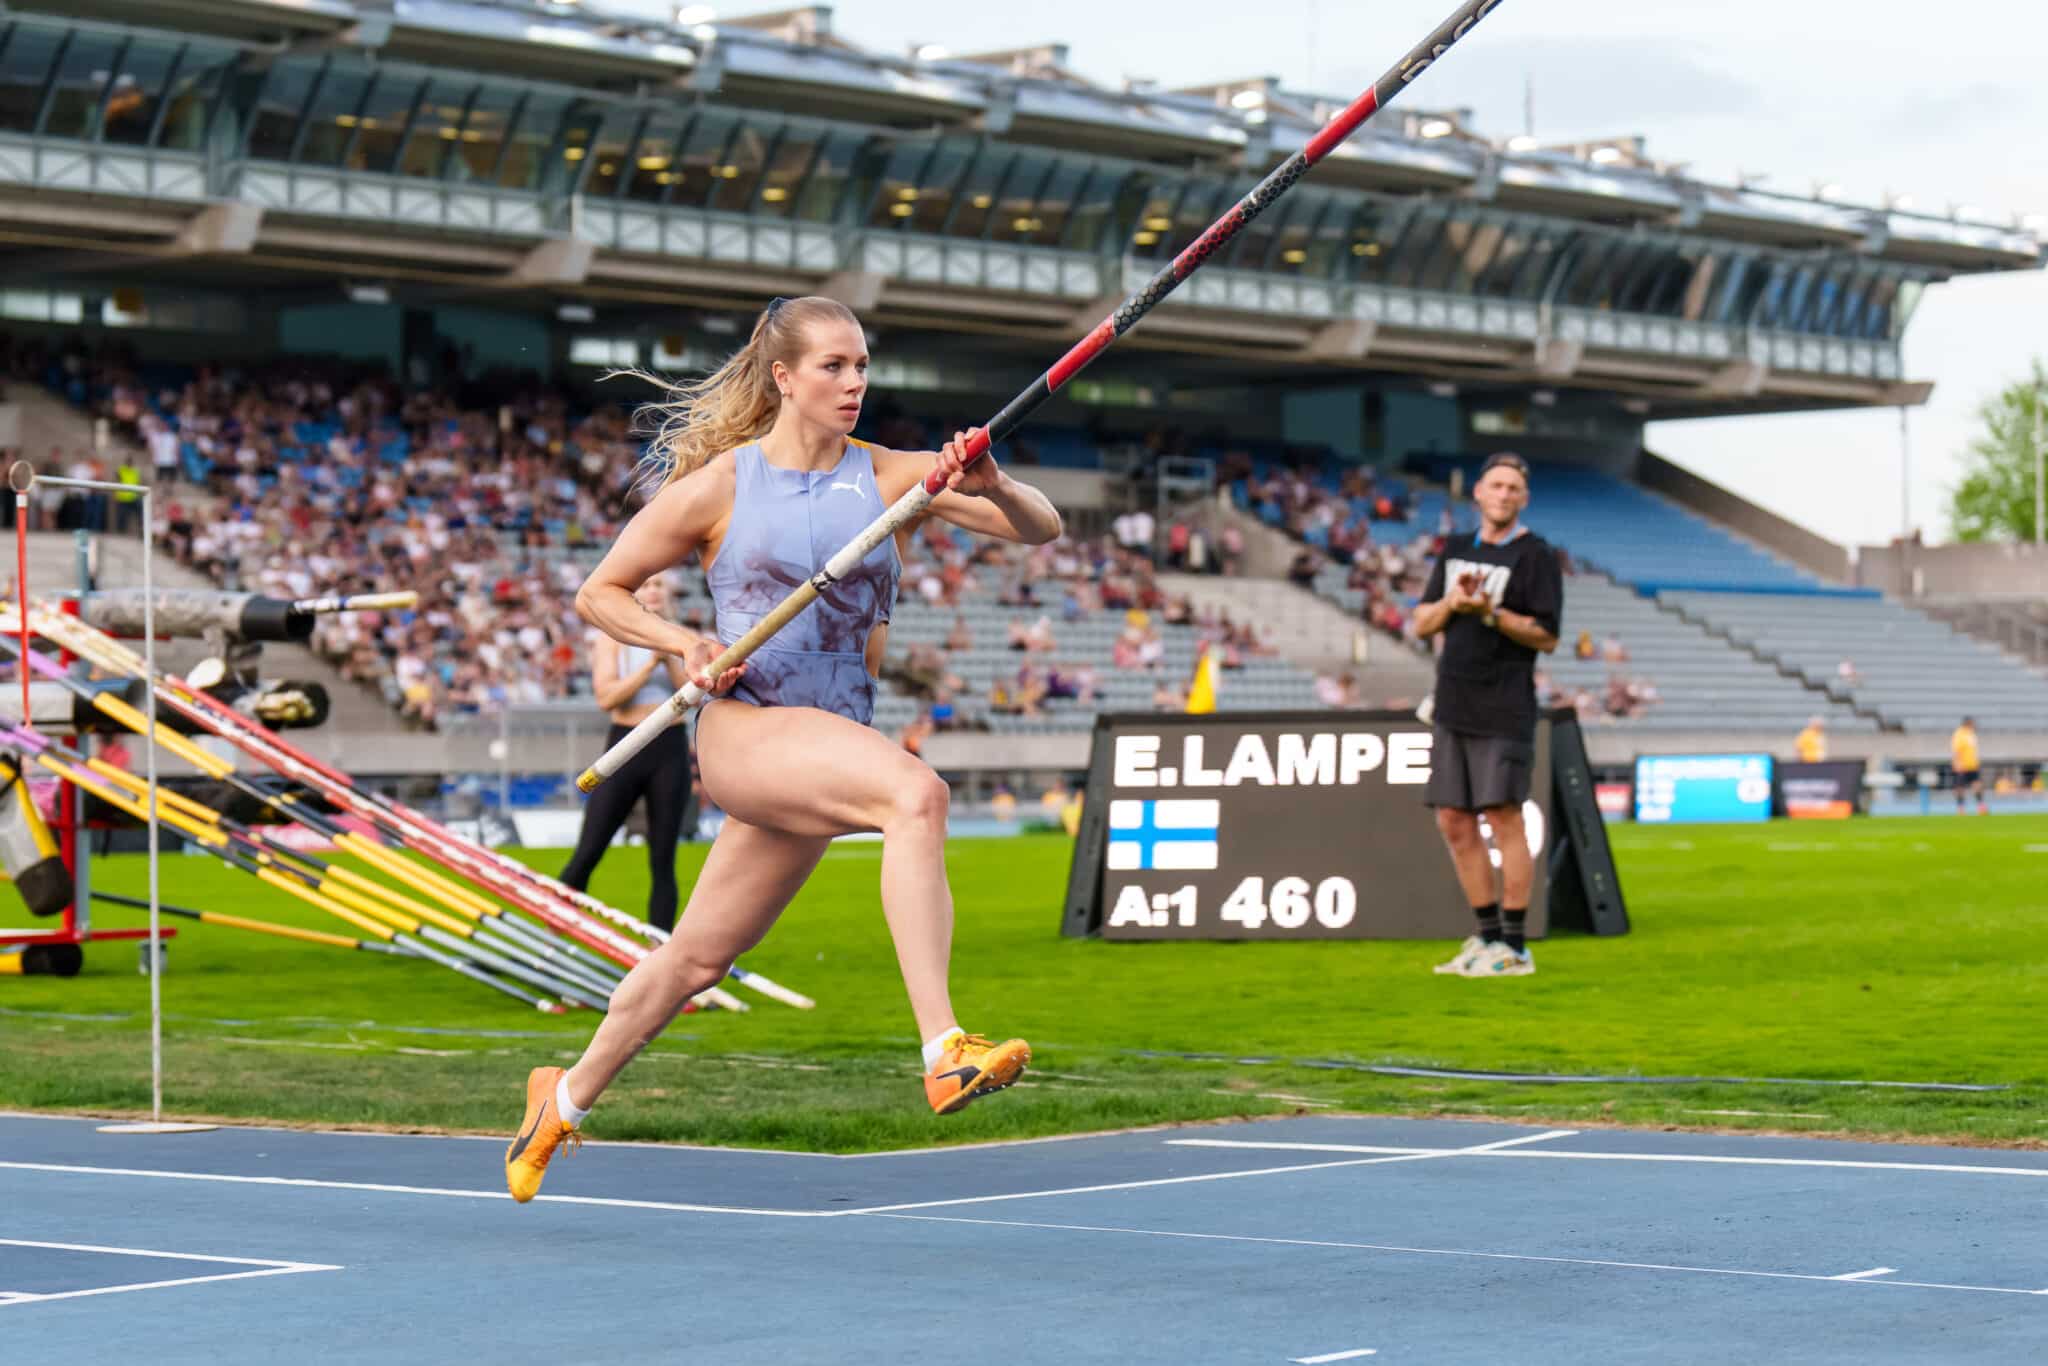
(497, 341)
(1805, 549)
(1417, 422)
(1324, 417)
(373, 332)
(2000, 570)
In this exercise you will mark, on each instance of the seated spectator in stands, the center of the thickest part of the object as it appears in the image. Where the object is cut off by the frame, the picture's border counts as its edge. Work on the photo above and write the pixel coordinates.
(1230, 542)
(1133, 531)
(1547, 694)
(961, 637)
(1123, 652)
(1018, 593)
(1168, 697)
(1178, 611)
(1018, 635)
(1302, 571)
(916, 732)
(1584, 648)
(1846, 672)
(1337, 690)
(1151, 649)
(1586, 706)
(1068, 683)
(1619, 702)
(1178, 535)
(1028, 692)
(1038, 639)
(1612, 650)
(1072, 608)
(1812, 743)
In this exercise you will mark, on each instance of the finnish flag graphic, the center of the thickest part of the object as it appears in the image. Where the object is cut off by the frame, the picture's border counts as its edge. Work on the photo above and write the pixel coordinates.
(1163, 834)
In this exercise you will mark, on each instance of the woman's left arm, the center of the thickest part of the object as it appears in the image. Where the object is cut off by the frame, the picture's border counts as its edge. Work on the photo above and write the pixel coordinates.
(979, 497)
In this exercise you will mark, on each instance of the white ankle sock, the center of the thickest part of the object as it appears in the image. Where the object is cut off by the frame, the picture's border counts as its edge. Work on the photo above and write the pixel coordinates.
(571, 1116)
(934, 1047)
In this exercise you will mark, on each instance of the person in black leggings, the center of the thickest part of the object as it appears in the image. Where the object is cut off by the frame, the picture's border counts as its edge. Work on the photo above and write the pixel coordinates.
(630, 682)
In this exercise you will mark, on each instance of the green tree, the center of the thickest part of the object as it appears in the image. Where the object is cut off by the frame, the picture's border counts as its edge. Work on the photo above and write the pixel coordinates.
(1995, 499)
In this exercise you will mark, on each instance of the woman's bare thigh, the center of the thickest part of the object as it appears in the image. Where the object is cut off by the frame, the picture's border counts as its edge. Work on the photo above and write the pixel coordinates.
(749, 876)
(802, 770)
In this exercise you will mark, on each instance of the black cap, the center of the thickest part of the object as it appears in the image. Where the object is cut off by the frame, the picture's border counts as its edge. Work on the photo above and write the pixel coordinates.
(1508, 458)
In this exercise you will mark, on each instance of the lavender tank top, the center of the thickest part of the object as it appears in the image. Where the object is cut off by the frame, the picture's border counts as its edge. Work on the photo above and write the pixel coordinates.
(785, 525)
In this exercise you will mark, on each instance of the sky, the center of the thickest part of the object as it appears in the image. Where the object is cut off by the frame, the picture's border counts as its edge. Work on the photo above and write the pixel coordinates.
(1941, 102)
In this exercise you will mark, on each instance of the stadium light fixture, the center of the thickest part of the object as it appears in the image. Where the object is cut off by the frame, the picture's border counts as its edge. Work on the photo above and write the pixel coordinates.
(369, 294)
(1144, 239)
(1157, 223)
(576, 313)
(1827, 190)
(982, 201)
(1294, 256)
(689, 16)
(774, 194)
(902, 210)
(1248, 99)
(1437, 128)
(1606, 156)
(1962, 211)
(1901, 202)
(1522, 142)
(933, 52)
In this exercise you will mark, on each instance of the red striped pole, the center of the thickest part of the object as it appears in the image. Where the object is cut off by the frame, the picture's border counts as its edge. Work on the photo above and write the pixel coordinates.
(1278, 182)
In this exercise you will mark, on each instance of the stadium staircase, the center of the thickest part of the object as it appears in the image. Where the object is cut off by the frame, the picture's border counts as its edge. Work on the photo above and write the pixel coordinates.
(1310, 632)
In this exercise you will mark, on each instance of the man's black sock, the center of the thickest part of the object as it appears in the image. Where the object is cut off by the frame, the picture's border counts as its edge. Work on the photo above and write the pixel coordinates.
(1515, 935)
(1489, 922)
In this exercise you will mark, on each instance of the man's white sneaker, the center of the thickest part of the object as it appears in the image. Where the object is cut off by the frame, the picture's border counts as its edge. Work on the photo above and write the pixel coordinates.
(1498, 960)
(1461, 961)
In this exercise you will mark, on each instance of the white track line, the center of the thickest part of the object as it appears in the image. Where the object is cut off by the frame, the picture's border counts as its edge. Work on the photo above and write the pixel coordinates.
(1412, 1156)
(1574, 1155)
(1866, 1275)
(261, 1266)
(1466, 1253)
(1351, 1355)
(387, 1189)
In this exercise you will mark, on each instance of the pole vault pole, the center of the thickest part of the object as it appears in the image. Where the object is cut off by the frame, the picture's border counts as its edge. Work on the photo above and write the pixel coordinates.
(1126, 316)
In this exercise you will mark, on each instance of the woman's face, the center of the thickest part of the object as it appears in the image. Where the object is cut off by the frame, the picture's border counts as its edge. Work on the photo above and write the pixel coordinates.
(830, 379)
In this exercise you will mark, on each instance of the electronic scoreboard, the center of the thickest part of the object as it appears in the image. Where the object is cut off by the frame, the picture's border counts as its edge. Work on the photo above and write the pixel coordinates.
(1307, 825)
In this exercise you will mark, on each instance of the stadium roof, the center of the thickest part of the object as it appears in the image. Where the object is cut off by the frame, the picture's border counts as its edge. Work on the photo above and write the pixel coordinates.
(794, 61)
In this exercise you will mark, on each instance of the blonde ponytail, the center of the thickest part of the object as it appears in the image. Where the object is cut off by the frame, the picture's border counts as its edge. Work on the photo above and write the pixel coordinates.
(734, 404)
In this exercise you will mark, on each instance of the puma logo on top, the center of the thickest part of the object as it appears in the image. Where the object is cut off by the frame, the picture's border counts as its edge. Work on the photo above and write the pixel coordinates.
(855, 485)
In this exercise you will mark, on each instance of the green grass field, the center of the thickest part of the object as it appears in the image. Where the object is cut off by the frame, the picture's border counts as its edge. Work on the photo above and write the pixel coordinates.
(1881, 950)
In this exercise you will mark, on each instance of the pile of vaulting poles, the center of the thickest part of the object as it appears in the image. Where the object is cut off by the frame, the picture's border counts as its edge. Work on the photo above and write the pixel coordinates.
(456, 903)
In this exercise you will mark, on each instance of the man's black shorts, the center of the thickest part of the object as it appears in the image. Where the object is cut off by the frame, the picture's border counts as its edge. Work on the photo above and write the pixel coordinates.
(1478, 772)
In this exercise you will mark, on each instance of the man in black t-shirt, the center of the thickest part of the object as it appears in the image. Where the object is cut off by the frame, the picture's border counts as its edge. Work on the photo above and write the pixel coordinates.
(1497, 597)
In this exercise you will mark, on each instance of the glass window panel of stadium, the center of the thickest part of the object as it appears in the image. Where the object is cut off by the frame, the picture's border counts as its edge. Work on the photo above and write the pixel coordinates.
(342, 111)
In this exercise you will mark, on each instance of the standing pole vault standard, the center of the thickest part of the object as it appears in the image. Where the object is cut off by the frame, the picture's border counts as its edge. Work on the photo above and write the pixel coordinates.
(24, 480)
(1012, 416)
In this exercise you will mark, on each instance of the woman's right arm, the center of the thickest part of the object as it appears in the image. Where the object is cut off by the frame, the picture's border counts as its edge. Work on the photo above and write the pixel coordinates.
(675, 522)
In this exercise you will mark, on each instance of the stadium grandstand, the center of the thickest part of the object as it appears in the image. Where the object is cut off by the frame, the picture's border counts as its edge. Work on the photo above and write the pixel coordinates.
(348, 277)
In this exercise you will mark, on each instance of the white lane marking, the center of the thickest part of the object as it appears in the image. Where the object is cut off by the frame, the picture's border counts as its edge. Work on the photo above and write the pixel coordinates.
(648, 1143)
(1351, 1355)
(1464, 1253)
(1422, 1155)
(1572, 1155)
(387, 1189)
(1866, 1275)
(260, 1266)
(156, 1252)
